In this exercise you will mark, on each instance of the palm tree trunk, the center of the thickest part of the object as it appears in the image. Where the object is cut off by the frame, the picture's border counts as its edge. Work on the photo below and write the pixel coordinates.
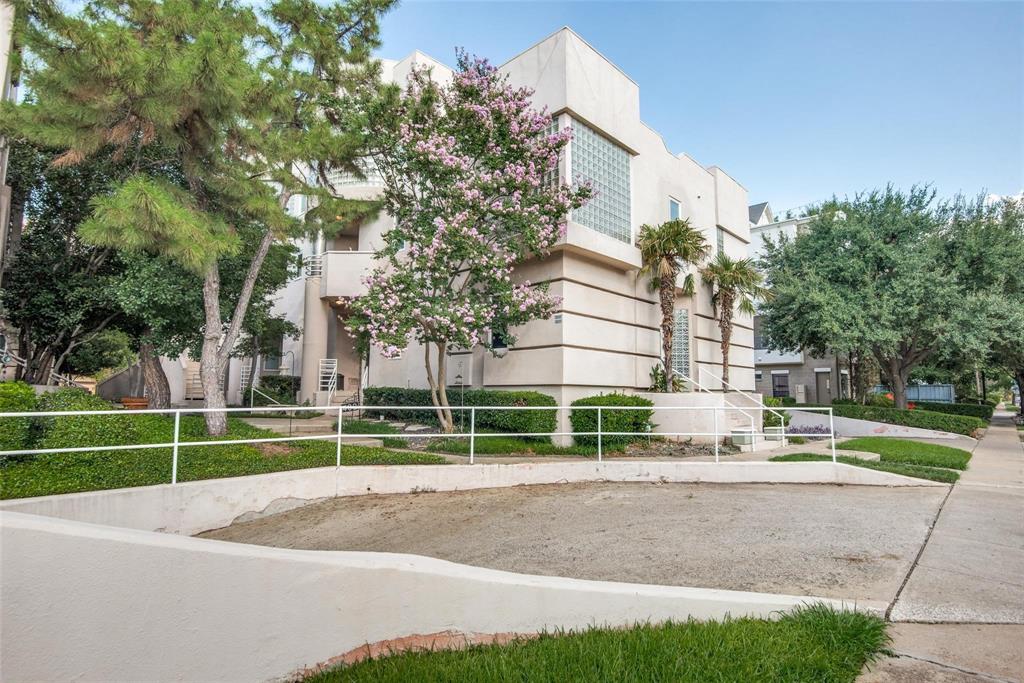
(725, 327)
(667, 293)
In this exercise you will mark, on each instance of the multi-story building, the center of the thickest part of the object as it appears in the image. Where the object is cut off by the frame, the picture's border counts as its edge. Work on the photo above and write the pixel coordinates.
(806, 378)
(605, 335)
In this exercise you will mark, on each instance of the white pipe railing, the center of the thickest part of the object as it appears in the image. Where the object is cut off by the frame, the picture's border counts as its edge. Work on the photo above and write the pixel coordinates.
(727, 402)
(753, 398)
(340, 435)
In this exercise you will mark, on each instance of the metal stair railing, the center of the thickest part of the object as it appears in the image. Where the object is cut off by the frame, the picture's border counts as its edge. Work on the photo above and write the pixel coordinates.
(728, 403)
(757, 401)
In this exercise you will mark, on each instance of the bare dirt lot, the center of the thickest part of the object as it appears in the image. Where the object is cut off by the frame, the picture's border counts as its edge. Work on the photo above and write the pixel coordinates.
(854, 542)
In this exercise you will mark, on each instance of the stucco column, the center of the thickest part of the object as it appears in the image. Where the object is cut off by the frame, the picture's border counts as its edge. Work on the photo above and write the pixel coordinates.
(316, 316)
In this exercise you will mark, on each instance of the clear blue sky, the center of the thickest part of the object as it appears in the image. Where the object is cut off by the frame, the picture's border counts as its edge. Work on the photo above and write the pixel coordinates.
(796, 100)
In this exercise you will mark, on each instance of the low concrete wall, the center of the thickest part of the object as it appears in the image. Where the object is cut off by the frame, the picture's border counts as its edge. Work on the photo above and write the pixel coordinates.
(847, 426)
(192, 507)
(89, 602)
(702, 421)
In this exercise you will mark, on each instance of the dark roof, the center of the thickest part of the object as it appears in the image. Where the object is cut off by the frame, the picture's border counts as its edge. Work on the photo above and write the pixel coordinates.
(756, 210)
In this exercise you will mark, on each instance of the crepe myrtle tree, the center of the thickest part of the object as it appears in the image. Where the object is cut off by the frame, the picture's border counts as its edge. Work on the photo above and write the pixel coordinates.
(468, 170)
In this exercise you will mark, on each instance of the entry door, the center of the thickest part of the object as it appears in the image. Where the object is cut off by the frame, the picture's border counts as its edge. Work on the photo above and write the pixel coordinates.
(824, 380)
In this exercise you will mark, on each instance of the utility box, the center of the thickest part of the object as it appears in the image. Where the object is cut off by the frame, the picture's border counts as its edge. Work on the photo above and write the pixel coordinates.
(800, 393)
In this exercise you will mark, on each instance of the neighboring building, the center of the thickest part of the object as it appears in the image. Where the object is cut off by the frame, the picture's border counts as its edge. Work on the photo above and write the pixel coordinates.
(806, 378)
(605, 335)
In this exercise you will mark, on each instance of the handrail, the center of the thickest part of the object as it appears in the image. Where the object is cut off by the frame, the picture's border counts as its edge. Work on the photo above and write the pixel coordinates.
(740, 391)
(726, 401)
(254, 390)
(61, 379)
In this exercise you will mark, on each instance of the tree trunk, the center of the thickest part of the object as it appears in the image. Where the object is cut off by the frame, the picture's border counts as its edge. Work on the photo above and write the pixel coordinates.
(158, 389)
(209, 360)
(725, 327)
(1019, 376)
(667, 293)
(438, 390)
(898, 378)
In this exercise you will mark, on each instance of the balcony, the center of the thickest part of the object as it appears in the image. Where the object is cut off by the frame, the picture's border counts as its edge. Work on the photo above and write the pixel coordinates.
(341, 273)
(772, 357)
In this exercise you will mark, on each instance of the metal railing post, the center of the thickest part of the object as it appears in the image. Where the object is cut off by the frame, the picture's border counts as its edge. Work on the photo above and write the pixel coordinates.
(832, 432)
(714, 411)
(340, 411)
(600, 456)
(174, 450)
(472, 434)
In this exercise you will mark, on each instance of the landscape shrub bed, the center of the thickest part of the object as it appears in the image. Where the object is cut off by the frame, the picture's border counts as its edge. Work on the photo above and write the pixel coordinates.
(72, 431)
(983, 410)
(514, 421)
(15, 432)
(636, 421)
(923, 419)
(283, 389)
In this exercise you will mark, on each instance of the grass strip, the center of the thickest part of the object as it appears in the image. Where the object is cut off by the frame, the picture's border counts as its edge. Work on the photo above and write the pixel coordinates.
(813, 643)
(910, 452)
(919, 471)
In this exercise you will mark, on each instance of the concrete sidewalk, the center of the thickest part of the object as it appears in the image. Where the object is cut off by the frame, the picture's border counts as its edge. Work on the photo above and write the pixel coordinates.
(966, 592)
(972, 568)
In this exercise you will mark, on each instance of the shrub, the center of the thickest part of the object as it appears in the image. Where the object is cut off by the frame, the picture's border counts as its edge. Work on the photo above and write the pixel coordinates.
(71, 431)
(770, 418)
(637, 421)
(15, 432)
(788, 401)
(957, 424)
(879, 400)
(515, 421)
(844, 402)
(283, 389)
(983, 411)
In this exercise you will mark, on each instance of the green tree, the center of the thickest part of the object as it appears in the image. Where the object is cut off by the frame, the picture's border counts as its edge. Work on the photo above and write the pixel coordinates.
(666, 249)
(870, 274)
(735, 285)
(247, 103)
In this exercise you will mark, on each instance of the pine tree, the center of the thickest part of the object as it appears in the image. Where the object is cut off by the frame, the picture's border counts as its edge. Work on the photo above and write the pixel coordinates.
(249, 105)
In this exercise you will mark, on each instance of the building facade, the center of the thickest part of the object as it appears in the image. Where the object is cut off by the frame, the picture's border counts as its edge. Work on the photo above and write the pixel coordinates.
(605, 336)
(795, 374)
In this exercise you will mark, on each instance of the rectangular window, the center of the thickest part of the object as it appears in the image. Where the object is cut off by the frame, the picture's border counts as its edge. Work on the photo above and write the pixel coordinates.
(606, 166)
(272, 360)
(498, 340)
(721, 241)
(673, 210)
(681, 342)
(780, 385)
(758, 375)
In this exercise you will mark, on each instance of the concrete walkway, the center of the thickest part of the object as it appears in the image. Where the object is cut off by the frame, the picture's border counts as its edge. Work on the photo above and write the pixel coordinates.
(960, 614)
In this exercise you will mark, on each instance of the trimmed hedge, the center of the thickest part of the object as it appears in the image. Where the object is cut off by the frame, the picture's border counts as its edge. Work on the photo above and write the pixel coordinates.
(16, 432)
(72, 431)
(638, 420)
(514, 421)
(983, 411)
(924, 419)
(283, 388)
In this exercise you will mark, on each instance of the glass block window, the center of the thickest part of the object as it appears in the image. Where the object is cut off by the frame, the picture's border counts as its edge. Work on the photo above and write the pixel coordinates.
(681, 342)
(721, 241)
(673, 210)
(551, 178)
(341, 179)
(606, 166)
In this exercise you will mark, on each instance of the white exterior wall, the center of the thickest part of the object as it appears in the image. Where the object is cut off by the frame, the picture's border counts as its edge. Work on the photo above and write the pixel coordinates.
(608, 338)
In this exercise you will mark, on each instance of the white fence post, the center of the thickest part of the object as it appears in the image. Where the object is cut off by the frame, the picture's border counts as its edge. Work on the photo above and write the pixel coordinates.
(599, 454)
(832, 432)
(714, 411)
(174, 456)
(339, 438)
(472, 434)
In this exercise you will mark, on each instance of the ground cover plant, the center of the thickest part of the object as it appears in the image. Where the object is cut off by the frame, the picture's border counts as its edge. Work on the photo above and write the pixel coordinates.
(910, 452)
(510, 445)
(813, 643)
(95, 470)
(919, 471)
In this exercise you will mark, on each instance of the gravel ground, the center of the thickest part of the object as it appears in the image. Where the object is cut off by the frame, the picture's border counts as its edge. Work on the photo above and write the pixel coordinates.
(855, 542)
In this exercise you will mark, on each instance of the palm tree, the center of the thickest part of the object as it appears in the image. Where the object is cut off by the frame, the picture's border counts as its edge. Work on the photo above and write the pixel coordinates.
(735, 285)
(666, 249)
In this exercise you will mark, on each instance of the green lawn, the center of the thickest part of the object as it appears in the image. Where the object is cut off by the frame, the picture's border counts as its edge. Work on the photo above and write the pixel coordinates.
(95, 470)
(910, 452)
(813, 643)
(920, 471)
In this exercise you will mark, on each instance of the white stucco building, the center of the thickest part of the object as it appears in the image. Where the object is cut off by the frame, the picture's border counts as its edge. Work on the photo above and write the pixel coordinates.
(605, 335)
